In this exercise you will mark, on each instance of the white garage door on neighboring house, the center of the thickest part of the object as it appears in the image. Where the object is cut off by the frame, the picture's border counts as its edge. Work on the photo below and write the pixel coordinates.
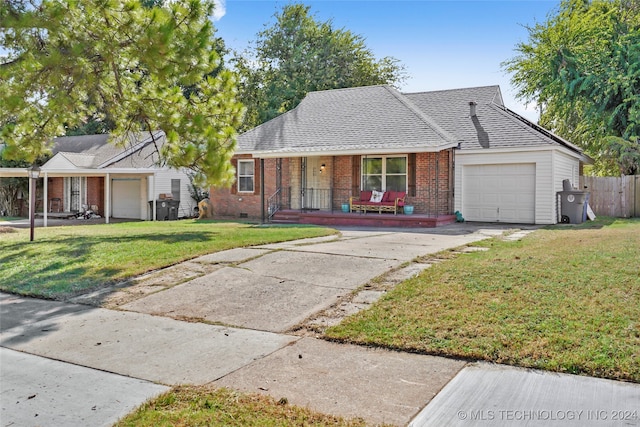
(499, 193)
(125, 193)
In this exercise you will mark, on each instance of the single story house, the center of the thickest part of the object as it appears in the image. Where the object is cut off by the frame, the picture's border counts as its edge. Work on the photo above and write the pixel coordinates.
(115, 181)
(450, 150)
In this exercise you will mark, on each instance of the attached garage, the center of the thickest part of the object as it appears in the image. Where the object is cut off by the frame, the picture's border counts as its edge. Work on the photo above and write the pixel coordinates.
(126, 198)
(499, 193)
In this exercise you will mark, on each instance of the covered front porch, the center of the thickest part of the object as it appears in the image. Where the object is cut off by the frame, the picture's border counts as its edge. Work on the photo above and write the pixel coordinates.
(330, 206)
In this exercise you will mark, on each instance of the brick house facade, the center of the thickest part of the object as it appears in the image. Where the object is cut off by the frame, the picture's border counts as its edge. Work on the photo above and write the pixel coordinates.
(429, 184)
(429, 145)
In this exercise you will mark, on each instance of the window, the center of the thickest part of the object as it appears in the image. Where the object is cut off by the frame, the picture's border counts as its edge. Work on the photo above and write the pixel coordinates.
(384, 173)
(245, 176)
(175, 189)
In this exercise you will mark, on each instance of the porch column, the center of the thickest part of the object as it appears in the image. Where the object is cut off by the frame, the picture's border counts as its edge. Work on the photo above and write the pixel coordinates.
(107, 198)
(32, 200)
(154, 213)
(262, 189)
(45, 197)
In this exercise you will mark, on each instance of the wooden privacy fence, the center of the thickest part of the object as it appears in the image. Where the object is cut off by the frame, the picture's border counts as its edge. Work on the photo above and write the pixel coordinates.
(613, 196)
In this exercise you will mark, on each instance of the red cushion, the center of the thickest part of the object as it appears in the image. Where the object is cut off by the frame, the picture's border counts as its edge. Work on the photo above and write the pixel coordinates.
(400, 194)
(365, 196)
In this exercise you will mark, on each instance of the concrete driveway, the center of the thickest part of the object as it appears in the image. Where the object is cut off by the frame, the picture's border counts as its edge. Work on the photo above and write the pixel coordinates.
(247, 304)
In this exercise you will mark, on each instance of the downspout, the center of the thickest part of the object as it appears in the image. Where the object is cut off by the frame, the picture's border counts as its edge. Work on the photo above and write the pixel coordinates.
(262, 204)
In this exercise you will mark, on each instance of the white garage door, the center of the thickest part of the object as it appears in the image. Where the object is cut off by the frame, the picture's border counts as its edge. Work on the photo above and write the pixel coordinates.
(499, 193)
(125, 198)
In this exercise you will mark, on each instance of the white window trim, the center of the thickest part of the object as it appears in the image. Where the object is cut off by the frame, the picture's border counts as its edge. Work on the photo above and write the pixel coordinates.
(253, 176)
(384, 169)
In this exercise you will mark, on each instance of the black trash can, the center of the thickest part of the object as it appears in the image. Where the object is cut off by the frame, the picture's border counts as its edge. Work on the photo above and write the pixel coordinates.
(162, 210)
(173, 209)
(573, 206)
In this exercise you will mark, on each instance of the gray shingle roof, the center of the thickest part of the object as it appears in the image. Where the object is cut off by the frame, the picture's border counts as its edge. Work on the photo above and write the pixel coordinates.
(364, 119)
(95, 151)
(494, 126)
(378, 119)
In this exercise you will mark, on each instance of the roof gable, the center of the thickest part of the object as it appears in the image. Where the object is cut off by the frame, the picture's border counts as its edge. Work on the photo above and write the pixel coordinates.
(60, 162)
(98, 152)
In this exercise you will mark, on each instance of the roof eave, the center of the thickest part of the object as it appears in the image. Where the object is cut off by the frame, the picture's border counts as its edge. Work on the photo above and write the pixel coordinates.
(271, 154)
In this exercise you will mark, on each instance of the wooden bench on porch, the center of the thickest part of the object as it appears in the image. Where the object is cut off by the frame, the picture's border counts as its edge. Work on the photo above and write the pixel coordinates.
(388, 201)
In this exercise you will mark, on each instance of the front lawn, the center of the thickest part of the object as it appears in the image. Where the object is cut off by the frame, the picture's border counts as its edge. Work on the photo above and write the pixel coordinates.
(65, 261)
(201, 406)
(564, 299)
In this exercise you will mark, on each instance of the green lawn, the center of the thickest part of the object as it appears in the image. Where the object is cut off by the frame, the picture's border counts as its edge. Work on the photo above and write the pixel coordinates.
(563, 299)
(65, 261)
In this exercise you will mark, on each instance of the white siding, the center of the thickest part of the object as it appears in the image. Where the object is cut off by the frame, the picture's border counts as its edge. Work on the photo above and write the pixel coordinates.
(552, 166)
(564, 167)
(544, 204)
(163, 185)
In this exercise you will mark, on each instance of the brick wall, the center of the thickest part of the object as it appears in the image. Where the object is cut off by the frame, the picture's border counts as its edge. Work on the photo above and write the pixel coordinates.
(231, 203)
(433, 182)
(95, 193)
(55, 190)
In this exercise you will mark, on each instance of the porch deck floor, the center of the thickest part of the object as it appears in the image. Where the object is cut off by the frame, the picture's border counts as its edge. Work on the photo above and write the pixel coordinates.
(361, 219)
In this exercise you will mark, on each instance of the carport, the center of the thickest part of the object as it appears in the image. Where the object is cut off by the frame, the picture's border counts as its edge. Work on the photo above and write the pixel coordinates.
(109, 175)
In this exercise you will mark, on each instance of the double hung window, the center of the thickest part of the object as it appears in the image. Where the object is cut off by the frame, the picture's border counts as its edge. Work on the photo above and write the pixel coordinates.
(246, 176)
(384, 173)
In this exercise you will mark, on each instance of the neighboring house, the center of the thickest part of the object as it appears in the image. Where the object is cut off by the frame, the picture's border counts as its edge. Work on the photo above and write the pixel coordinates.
(117, 181)
(452, 150)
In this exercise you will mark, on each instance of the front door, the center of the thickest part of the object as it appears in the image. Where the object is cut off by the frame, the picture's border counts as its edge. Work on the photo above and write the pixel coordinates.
(317, 195)
(75, 194)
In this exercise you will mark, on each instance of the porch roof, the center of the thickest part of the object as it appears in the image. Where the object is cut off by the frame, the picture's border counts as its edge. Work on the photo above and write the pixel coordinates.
(55, 173)
(363, 120)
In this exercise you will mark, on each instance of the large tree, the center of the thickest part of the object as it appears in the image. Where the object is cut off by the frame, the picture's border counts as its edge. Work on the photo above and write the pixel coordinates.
(298, 54)
(143, 67)
(582, 68)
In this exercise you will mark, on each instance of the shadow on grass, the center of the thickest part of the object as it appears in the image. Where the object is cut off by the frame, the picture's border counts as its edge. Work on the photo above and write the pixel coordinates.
(600, 222)
(64, 267)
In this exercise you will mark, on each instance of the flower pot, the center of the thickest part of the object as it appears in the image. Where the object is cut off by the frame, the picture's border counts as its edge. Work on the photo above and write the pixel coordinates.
(345, 207)
(408, 210)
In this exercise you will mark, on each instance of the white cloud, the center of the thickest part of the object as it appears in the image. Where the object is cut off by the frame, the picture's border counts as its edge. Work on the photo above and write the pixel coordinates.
(220, 9)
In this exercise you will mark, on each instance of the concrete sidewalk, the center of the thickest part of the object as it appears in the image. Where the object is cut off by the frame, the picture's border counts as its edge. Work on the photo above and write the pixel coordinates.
(260, 295)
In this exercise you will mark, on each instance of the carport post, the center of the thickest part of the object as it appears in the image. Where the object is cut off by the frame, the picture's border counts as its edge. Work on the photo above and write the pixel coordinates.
(34, 174)
(107, 198)
(45, 198)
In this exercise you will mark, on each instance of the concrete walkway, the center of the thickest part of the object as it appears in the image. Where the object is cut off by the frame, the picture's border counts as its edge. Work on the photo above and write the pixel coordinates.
(253, 301)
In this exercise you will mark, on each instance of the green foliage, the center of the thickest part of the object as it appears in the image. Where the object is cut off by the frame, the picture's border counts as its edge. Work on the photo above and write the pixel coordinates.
(138, 67)
(299, 54)
(582, 68)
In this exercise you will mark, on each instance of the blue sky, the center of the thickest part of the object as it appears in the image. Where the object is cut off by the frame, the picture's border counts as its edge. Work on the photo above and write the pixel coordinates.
(444, 44)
